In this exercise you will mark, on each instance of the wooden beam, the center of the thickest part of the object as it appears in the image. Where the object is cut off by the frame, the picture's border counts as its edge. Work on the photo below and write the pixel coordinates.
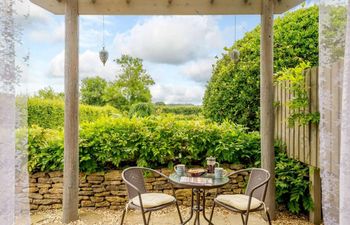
(71, 113)
(266, 100)
(315, 215)
(162, 7)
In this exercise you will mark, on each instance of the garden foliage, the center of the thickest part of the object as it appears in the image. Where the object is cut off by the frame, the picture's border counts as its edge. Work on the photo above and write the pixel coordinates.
(50, 113)
(142, 109)
(92, 91)
(233, 92)
(152, 141)
(160, 141)
(179, 109)
(299, 103)
(292, 183)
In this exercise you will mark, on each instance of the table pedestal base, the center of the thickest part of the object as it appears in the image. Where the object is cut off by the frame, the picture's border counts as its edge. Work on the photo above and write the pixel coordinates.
(196, 207)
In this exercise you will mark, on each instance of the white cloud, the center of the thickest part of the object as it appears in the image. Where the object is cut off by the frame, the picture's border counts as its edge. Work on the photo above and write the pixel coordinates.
(199, 70)
(54, 34)
(177, 94)
(89, 65)
(172, 39)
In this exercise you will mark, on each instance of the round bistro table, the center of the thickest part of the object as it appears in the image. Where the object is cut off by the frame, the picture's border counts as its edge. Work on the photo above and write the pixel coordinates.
(198, 190)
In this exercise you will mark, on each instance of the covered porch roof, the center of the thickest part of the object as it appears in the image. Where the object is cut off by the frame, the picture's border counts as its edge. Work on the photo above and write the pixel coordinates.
(167, 7)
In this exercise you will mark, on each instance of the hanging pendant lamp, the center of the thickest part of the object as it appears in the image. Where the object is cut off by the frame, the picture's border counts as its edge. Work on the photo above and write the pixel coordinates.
(103, 53)
(234, 54)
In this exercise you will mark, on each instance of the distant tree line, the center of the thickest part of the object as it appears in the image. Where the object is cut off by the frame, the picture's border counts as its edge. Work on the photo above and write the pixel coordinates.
(130, 86)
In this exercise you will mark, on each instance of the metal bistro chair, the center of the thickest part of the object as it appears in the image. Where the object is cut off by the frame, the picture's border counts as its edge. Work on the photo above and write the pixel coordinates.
(252, 200)
(140, 199)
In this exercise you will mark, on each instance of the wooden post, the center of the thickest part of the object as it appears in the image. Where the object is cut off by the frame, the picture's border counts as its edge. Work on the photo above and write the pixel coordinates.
(266, 100)
(315, 192)
(71, 113)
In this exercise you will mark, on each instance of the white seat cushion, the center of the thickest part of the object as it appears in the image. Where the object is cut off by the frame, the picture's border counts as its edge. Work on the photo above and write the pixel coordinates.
(150, 200)
(239, 201)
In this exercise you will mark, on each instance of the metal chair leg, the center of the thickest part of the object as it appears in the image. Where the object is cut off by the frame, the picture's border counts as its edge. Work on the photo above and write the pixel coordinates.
(212, 212)
(123, 216)
(268, 217)
(246, 218)
(178, 211)
(242, 217)
(149, 217)
(144, 218)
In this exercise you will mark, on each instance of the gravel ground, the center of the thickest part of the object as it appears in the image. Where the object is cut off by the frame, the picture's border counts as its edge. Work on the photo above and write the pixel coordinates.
(164, 217)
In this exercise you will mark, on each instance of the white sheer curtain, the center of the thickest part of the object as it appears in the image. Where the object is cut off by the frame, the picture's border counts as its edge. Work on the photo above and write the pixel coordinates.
(334, 86)
(14, 202)
(345, 134)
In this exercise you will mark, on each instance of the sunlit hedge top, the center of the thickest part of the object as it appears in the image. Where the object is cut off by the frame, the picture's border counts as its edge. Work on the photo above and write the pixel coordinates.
(157, 141)
(48, 113)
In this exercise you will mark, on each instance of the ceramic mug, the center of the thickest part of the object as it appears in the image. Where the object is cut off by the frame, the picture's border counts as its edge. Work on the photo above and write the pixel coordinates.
(180, 169)
(219, 172)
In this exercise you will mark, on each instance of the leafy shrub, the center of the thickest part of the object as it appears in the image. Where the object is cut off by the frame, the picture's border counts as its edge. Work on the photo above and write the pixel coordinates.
(179, 109)
(292, 183)
(50, 113)
(45, 149)
(142, 109)
(233, 92)
(154, 142)
(110, 143)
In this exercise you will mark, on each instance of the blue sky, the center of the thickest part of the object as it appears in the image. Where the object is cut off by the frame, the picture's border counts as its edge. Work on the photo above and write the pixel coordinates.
(178, 51)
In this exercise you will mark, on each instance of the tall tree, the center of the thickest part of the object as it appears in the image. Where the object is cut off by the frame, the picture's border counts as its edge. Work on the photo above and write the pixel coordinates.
(49, 93)
(92, 90)
(233, 91)
(132, 84)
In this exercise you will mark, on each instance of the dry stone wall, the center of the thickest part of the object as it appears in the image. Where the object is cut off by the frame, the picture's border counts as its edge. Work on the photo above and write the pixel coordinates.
(107, 190)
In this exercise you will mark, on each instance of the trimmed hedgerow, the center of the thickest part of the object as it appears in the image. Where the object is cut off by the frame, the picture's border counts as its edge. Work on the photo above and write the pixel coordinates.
(111, 143)
(141, 109)
(154, 141)
(179, 109)
(48, 113)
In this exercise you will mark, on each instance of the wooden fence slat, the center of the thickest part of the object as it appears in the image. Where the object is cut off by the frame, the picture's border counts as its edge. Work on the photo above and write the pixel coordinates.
(317, 130)
(280, 112)
(303, 142)
(287, 111)
(313, 108)
(283, 108)
(307, 127)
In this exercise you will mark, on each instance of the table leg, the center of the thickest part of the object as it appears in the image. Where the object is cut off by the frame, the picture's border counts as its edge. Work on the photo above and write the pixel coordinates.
(205, 217)
(198, 201)
(192, 206)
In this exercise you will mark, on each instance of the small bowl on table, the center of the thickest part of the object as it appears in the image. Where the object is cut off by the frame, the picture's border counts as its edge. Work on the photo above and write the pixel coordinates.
(196, 172)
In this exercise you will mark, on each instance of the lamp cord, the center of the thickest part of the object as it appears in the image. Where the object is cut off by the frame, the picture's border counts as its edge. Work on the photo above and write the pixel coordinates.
(235, 29)
(103, 31)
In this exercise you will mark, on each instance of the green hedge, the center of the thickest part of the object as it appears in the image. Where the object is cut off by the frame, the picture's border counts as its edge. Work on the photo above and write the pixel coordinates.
(111, 143)
(179, 109)
(141, 109)
(155, 141)
(50, 113)
(233, 92)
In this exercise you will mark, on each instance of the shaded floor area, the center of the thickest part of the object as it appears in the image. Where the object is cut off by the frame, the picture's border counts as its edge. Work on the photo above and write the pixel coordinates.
(164, 217)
